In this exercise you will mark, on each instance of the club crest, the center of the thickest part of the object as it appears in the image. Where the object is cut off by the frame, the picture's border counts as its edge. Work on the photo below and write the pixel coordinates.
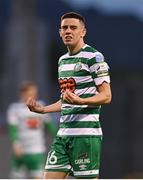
(78, 67)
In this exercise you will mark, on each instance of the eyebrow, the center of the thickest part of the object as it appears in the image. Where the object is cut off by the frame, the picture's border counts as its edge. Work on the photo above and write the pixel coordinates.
(72, 26)
(69, 25)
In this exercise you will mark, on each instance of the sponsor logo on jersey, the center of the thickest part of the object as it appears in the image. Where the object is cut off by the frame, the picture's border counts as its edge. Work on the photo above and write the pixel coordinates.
(33, 123)
(82, 161)
(82, 167)
(78, 66)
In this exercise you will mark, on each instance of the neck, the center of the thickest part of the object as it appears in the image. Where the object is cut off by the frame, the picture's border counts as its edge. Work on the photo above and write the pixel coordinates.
(74, 49)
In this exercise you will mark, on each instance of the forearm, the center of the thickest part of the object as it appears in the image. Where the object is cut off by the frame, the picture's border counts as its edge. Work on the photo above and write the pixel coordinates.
(98, 99)
(55, 107)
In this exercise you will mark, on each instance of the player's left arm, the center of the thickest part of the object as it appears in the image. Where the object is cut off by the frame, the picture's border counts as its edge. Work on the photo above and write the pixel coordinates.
(104, 96)
(100, 73)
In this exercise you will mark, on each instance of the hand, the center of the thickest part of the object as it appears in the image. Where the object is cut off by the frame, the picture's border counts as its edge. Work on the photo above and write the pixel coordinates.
(34, 106)
(17, 150)
(72, 98)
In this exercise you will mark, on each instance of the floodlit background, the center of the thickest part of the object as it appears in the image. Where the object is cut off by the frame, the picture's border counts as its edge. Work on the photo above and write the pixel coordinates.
(30, 47)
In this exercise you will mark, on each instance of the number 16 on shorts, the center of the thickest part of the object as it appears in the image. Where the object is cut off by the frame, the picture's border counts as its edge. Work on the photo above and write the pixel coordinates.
(52, 159)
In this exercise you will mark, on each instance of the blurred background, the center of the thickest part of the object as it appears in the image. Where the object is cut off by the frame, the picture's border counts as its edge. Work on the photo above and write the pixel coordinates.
(30, 47)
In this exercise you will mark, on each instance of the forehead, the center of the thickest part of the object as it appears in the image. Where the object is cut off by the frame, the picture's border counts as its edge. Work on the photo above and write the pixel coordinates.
(70, 22)
(29, 89)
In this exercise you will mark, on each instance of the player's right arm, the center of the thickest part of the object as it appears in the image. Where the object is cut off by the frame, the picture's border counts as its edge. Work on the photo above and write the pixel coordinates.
(38, 108)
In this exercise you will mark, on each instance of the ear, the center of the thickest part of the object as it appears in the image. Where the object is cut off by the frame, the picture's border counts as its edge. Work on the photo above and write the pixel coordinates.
(60, 32)
(83, 32)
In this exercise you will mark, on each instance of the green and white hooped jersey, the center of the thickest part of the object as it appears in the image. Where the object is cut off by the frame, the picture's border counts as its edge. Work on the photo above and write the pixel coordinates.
(30, 127)
(81, 73)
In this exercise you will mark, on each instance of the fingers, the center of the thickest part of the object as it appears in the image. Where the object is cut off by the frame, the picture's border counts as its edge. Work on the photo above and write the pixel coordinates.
(68, 97)
(72, 98)
(31, 103)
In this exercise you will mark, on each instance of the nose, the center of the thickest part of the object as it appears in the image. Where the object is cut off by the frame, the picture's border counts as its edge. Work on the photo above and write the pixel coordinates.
(68, 30)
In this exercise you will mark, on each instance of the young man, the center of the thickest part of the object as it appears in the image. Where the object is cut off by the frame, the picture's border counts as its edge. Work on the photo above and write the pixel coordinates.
(85, 85)
(27, 134)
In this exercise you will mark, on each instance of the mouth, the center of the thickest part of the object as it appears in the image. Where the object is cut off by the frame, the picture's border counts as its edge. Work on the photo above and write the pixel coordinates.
(68, 38)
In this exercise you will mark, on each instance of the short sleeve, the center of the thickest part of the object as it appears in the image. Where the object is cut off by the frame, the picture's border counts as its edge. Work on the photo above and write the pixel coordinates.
(99, 69)
(12, 117)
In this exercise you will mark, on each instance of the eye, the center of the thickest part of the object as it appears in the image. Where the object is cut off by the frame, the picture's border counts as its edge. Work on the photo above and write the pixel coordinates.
(64, 27)
(73, 27)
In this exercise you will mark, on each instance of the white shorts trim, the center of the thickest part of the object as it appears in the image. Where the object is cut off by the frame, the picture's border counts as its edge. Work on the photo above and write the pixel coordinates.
(90, 172)
(62, 166)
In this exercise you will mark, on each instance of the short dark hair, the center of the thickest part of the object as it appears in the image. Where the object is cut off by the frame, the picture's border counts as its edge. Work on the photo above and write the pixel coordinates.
(74, 15)
(25, 85)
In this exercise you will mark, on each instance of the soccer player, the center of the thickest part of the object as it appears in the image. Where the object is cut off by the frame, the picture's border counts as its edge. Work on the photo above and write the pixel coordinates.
(85, 86)
(27, 134)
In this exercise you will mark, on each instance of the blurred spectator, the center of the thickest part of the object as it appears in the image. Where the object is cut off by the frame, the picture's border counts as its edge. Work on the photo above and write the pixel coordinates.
(26, 131)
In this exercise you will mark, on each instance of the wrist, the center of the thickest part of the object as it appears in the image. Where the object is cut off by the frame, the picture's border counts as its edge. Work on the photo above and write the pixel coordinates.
(82, 101)
(43, 111)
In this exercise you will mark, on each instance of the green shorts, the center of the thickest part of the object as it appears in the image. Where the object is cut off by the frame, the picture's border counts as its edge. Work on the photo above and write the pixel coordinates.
(33, 163)
(80, 156)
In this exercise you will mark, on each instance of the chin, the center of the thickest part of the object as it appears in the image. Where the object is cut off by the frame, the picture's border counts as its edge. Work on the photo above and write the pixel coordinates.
(68, 43)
